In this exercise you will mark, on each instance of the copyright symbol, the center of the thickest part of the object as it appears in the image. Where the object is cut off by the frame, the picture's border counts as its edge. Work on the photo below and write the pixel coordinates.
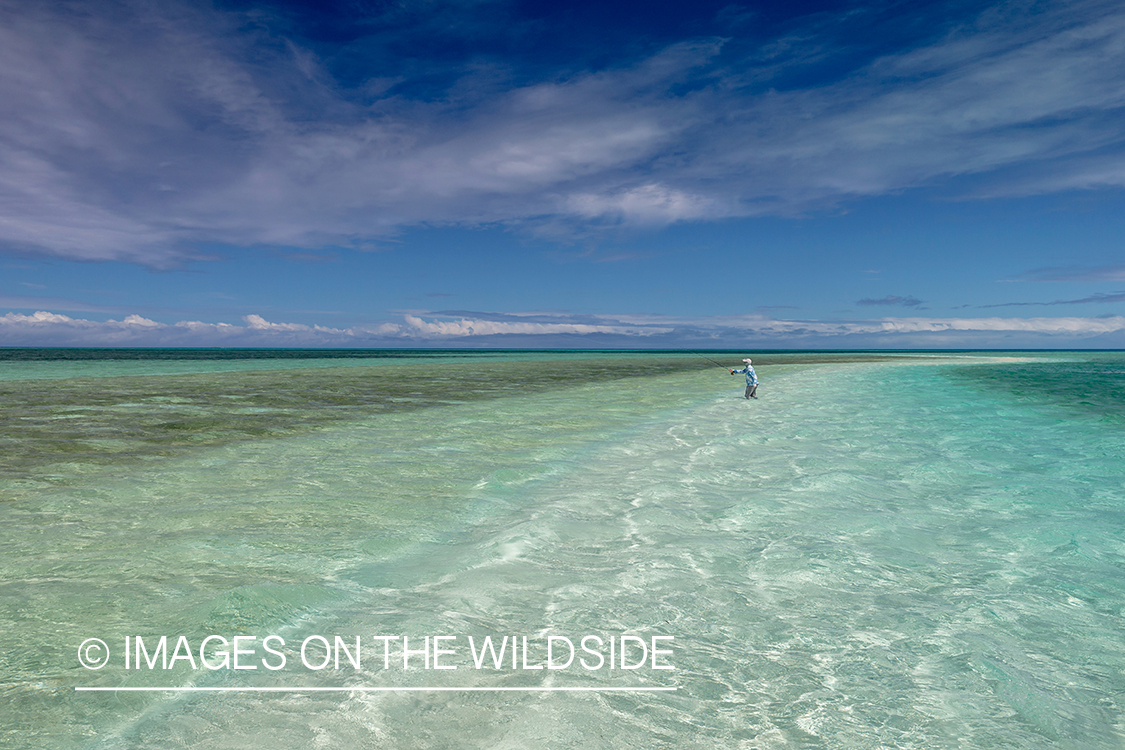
(93, 653)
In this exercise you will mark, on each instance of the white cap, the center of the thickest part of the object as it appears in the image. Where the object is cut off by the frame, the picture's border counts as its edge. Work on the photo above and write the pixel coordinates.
(747, 361)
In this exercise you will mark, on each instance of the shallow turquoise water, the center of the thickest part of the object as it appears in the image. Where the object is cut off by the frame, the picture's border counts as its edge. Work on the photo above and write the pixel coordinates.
(920, 553)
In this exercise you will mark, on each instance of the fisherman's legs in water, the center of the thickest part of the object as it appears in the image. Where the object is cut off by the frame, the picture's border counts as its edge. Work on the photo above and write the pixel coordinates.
(751, 391)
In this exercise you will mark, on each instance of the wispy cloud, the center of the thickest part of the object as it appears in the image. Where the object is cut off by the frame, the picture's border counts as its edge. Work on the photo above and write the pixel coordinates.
(1075, 273)
(1093, 298)
(892, 300)
(645, 204)
(141, 131)
(25, 302)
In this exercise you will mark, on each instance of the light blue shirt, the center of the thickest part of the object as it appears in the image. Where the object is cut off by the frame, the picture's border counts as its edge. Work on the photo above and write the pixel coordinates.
(751, 376)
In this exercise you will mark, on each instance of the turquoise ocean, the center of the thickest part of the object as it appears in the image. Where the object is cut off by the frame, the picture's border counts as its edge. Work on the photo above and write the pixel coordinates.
(885, 550)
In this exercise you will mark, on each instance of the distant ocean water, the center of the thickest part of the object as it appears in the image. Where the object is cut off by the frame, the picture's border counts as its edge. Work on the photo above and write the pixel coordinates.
(899, 551)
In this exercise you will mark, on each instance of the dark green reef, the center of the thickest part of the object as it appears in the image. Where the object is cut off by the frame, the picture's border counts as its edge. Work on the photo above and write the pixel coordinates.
(52, 424)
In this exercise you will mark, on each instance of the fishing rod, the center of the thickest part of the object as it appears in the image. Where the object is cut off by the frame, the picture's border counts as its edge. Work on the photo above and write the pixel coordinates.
(711, 360)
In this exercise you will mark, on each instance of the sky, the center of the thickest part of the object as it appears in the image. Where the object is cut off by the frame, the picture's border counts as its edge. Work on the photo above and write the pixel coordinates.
(494, 173)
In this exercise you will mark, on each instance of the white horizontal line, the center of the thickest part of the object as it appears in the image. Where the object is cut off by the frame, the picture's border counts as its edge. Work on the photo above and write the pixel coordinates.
(363, 689)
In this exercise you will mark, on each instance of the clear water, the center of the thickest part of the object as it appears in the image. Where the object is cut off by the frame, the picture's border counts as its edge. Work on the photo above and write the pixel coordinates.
(904, 552)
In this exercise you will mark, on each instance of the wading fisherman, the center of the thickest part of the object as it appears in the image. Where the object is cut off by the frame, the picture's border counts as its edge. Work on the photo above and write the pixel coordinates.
(751, 378)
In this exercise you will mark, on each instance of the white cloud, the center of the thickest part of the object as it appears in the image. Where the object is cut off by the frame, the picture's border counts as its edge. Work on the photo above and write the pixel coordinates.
(1050, 326)
(52, 329)
(142, 132)
(647, 204)
(258, 323)
(544, 329)
(38, 318)
(1062, 327)
(138, 321)
(465, 327)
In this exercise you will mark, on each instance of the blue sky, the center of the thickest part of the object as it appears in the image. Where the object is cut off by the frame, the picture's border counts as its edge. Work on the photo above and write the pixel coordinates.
(494, 173)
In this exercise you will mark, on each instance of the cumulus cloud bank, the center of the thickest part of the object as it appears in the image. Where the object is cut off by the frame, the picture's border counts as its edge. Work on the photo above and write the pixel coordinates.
(140, 131)
(543, 329)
